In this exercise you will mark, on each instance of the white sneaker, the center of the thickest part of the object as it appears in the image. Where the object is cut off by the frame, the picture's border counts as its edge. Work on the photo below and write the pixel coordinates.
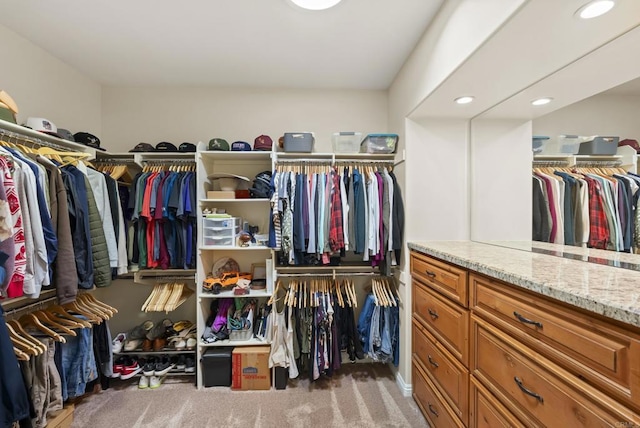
(118, 342)
(144, 382)
(155, 382)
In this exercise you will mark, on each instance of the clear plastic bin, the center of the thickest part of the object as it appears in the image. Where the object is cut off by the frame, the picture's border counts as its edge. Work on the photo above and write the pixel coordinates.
(379, 143)
(221, 222)
(346, 142)
(219, 232)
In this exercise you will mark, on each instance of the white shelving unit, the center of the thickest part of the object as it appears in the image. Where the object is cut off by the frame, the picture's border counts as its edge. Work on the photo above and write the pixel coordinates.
(254, 211)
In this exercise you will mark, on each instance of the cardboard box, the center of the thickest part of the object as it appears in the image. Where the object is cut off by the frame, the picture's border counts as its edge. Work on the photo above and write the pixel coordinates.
(250, 368)
(221, 194)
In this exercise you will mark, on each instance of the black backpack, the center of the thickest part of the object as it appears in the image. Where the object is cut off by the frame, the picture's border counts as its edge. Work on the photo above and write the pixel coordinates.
(261, 187)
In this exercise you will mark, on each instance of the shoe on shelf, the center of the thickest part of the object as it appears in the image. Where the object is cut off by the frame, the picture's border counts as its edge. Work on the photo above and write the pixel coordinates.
(118, 365)
(181, 363)
(144, 382)
(132, 344)
(163, 366)
(118, 343)
(149, 368)
(191, 343)
(155, 382)
(190, 365)
(159, 344)
(147, 345)
(140, 331)
(130, 369)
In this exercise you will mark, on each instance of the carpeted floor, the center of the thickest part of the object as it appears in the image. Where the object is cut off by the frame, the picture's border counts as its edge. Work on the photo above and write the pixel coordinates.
(361, 395)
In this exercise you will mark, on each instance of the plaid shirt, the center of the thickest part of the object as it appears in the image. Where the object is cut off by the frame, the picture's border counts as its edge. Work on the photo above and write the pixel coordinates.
(336, 233)
(598, 227)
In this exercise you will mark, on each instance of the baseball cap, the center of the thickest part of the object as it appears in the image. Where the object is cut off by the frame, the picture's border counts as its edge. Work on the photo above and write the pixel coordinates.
(165, 146)
(42, 125)
(263, 142)
(631, 143)
(187, 147)
(87, 139)
(241, 146)
(65, 134)
(218, 144)
(143, 147)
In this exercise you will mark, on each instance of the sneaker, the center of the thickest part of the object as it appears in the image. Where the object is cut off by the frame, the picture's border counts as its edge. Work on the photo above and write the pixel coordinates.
(118, 343)
(130, 370)
(144, 382)
(181, 363)
(190, 365)
(163, 366)
(118, 366)
(149, 368)
(155, 382)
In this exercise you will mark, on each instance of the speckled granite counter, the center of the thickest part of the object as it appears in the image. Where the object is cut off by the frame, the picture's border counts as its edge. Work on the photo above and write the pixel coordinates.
(609, 291)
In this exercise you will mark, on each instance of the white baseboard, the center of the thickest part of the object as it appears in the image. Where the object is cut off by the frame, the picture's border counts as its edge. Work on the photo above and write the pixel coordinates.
(405, 388)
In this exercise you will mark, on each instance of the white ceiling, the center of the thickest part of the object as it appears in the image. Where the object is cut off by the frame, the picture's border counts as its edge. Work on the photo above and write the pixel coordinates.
(540, 42)
(630, 88)
(255, 43)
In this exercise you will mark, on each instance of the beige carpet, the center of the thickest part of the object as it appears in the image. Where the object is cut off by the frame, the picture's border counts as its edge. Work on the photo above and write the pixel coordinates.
(361, 395)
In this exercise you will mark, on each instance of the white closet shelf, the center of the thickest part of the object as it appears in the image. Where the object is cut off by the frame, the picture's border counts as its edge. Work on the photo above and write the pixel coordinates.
(244, 201)
(229, 293)
(231, 155)
(227, 342)
(334, 156)
(232, 248)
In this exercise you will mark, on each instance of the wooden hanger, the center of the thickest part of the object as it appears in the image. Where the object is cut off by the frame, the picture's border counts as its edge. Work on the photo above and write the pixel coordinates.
(33, 321)
(18, 328)
(75, 307)
(47, 320)
(88, 297)
(21, 343)
(60, 312)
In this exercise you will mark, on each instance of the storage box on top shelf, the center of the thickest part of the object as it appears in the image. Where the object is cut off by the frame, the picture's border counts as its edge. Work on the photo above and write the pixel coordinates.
(346, 142)
(564, 144)
(379, 144)
(301, 142)
(599, 146)
(250, 369)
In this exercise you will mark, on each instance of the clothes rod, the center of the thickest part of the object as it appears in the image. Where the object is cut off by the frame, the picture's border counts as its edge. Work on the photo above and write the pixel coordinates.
(332, 275)
(40, 304)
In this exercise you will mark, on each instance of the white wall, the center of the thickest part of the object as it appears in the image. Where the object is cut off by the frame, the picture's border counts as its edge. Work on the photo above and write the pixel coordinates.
(151, 115)
(501, 159)
(617, 115)
(44, 86)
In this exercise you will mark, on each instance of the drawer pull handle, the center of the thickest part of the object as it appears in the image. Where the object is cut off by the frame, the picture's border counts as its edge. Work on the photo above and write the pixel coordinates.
(527, 320)
(433, 314)
(433, 363)
(431, 274)
(433, 410)
(527, 391)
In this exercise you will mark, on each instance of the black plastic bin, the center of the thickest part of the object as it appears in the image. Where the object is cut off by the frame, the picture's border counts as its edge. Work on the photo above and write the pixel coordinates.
(216, 366)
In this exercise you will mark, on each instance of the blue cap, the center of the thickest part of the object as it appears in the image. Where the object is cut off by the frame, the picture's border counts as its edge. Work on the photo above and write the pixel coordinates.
(241, 146)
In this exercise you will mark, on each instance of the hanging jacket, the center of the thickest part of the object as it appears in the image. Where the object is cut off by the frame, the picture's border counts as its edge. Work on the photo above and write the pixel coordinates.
(99, 250)
(65, 276)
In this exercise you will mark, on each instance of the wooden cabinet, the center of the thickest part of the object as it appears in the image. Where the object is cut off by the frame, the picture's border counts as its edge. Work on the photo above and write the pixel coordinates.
(497, 355)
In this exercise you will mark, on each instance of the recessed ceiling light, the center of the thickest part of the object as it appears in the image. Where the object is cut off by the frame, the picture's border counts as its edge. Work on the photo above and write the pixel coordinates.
(541, 101)
(595, 8)
(464, 100)
(315, 4)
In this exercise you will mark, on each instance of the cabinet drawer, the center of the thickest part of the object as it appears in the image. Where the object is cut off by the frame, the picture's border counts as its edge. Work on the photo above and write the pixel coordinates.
(448, 322)
(536, 395)
(603, 354)
(445, 371)
(431, 403)
(487, 412)
(449, 280)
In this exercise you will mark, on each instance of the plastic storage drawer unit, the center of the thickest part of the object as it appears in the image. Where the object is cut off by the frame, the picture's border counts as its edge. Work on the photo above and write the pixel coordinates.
(379, 143)
(600, 146)
(216, 366)
(298, 142)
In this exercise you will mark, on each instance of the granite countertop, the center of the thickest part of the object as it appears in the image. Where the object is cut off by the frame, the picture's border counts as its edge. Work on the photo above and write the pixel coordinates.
(606, 290)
